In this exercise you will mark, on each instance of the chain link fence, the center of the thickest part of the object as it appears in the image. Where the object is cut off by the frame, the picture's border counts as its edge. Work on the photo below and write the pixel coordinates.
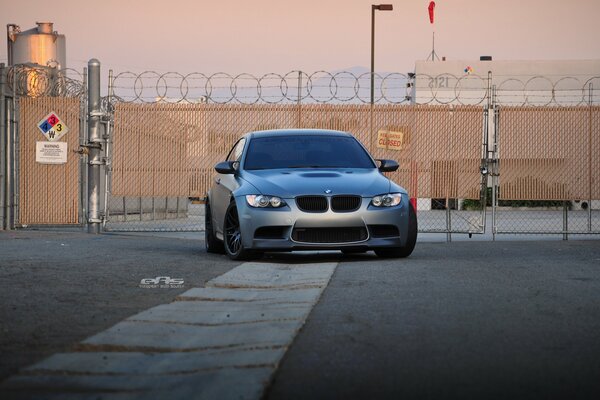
(520, 152)
(170, 129)
(166, 152)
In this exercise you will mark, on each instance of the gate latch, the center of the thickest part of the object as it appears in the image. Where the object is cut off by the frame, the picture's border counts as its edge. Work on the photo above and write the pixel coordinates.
(85, 148)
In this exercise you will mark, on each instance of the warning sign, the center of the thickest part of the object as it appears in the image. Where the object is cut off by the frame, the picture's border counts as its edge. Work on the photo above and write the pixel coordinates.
(52, 127)
(51, 153)
(392, 140)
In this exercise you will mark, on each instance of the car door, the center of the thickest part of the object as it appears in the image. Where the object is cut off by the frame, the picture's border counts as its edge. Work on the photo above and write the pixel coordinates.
(223, 185)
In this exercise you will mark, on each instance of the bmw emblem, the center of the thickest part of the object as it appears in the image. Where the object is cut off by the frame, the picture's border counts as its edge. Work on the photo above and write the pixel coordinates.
(327, 191)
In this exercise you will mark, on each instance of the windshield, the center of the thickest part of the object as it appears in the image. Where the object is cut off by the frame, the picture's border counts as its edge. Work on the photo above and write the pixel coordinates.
(306, 151)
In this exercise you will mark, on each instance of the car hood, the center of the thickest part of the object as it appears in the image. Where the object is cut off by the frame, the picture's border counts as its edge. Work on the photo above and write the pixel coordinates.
(288, 183)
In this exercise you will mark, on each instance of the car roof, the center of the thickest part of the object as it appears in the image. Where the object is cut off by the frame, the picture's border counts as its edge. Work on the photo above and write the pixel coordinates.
(296, 132)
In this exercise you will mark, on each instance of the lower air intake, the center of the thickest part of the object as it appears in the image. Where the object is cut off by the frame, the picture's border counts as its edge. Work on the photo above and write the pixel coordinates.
(329, 235)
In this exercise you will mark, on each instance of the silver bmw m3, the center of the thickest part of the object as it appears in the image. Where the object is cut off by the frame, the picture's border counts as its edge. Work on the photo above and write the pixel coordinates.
(300, 189)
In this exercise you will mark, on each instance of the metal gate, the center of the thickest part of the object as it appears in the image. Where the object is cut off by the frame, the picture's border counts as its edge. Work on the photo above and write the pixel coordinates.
(163, 155)
(466, 164)
(38, 191)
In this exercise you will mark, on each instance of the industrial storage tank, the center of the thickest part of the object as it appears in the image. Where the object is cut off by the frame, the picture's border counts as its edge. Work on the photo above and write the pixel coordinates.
(41, 46)
(38, 59)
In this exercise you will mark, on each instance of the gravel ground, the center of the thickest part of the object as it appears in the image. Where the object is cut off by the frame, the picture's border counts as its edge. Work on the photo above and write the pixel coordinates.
(58, 287)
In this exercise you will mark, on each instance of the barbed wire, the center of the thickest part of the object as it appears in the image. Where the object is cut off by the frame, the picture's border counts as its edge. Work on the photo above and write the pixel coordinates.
(36, 81)
(349, 87)
(343, 87)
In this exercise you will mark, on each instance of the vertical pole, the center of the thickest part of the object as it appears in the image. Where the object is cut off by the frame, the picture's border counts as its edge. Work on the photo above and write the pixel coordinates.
(8, 159)
(372, 102)
(153, 208)
(83, 157)
(372, 54)
(3, 136)
(299, 99)
(495, 156)
(565, 221)
(590, 99)
(15, 159)
(108, 150)
(95, 146)
(448, 222)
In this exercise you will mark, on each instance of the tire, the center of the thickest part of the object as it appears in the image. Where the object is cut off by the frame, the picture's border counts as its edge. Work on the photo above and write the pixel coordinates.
(411, 239)
(212, 244)
(234, 247)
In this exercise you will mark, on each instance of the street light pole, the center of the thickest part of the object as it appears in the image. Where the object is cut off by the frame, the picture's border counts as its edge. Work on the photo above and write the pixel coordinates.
(381, 7)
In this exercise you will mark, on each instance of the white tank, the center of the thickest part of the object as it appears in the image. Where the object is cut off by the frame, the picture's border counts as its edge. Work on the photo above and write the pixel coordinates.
(41, 45)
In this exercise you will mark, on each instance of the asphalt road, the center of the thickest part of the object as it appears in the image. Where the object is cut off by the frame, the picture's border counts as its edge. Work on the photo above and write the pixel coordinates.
(504, 320)
(57, 287)
(455, 320)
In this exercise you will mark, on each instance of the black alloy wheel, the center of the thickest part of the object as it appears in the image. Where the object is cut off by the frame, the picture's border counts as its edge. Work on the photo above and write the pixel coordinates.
(233, 236)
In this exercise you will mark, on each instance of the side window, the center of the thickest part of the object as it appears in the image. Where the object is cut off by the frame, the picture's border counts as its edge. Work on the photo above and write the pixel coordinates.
(236, 152)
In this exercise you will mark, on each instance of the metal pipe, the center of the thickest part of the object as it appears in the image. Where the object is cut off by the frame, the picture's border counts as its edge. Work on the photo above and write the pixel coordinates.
(83, 156)
(299, 99)
(590, 158)
(95, 146)
(3, 126)
(382, 7)
(565, 221)
(108, 153)
(373, 8)
(8, 205)
(107, 176)
(448, 222)
(15, 164)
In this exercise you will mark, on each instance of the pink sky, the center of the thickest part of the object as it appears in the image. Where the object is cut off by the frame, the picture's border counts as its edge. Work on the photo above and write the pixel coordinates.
(260, 36)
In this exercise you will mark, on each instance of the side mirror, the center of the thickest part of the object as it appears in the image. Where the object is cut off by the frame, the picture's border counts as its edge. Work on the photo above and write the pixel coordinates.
(226, 167)
(388, 166)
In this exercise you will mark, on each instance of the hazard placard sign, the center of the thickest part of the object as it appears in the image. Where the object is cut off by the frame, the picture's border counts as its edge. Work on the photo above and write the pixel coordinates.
(52, 127)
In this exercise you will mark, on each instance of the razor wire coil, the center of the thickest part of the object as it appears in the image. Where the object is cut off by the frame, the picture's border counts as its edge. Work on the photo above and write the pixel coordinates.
(322, 87)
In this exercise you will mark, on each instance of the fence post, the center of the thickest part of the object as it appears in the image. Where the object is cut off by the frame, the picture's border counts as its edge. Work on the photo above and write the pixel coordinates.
(565, 221)
(10, 134)
(108, 150)
(590, 98)
(95, 139)
(83, 163)
(3, 137)
(299, 99)
(493, 135)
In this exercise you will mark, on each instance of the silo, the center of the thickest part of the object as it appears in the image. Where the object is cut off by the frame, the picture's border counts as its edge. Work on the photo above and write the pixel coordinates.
(39, 58)
(41, 46)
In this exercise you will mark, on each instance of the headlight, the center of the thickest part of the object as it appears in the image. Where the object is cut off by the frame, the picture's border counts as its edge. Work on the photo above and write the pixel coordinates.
(262, 201)
(387, 200)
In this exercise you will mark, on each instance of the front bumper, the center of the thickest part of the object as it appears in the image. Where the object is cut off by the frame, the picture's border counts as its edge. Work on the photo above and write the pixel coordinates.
(291, 217)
